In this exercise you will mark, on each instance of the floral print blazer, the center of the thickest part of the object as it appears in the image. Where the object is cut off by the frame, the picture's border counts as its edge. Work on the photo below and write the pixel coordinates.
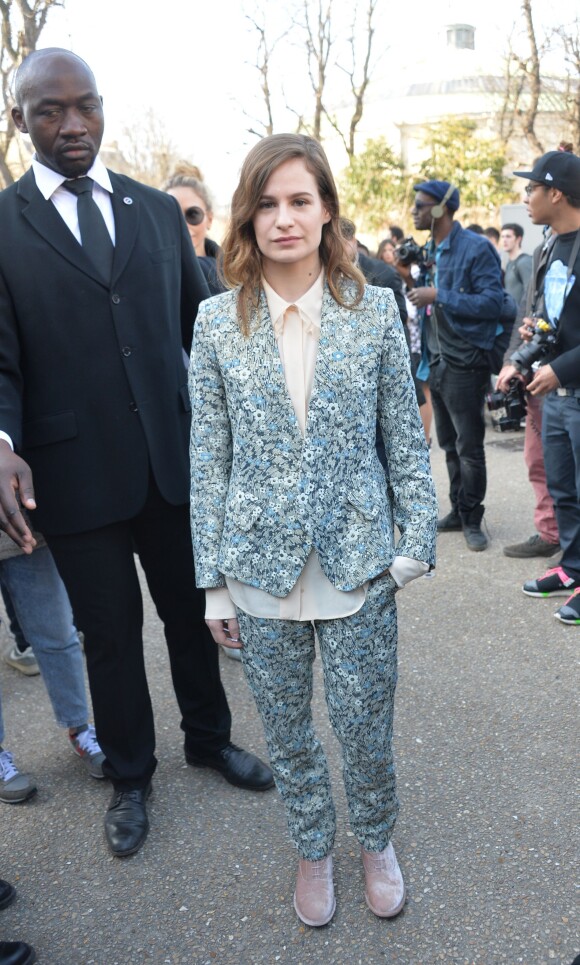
(262, 494)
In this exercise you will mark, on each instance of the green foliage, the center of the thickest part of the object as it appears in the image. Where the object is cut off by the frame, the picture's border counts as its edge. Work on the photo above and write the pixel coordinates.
(375, 191)
(471, 161)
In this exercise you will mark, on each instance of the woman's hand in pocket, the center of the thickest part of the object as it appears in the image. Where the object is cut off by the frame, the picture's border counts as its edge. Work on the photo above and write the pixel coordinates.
(226, 632)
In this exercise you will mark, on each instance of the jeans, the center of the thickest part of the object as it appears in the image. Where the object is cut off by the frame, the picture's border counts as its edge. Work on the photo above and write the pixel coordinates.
(561, 438)
(44, 613)
(458, 396)
(15, 628)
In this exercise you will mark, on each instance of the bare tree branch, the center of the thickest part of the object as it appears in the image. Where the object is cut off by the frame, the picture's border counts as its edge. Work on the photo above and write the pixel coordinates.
(263, 62)
(569, 38)
(534, 78)
(21, 24)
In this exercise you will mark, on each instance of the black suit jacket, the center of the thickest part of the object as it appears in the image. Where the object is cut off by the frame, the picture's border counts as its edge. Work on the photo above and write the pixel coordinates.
(378, 273)
(92, 382)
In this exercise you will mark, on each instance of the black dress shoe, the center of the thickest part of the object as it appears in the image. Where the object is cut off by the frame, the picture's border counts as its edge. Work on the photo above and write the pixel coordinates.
(7, 894)
(16, 953)
(126, 821)
(239, 767)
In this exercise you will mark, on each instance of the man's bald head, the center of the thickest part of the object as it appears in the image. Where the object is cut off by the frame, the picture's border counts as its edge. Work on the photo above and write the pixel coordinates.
(58, 105)
(30, 68)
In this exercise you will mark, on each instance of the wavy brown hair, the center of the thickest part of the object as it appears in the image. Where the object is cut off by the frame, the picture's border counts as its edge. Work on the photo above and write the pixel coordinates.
(242, 260)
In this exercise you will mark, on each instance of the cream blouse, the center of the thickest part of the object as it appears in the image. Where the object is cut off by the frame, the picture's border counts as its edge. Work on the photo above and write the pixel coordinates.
(313, 597)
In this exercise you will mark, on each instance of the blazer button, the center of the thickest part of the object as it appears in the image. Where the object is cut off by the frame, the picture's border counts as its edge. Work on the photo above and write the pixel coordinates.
(126, 351)
(116, 299)
(133, 407)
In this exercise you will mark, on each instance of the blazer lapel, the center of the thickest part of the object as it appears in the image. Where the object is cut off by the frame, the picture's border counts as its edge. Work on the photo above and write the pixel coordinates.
(126, 212)
(47, 222)
(333, 361)
(264, 359)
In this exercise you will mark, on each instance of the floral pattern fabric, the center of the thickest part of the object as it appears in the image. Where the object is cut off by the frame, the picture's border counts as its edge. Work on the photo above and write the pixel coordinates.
(262, 494)
(359, 660)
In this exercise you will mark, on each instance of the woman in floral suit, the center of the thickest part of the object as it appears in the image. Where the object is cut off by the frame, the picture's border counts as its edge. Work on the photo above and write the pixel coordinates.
(293, 520)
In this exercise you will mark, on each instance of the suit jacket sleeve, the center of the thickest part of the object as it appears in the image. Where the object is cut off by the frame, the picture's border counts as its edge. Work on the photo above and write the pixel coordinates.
(414, 500)
(210, 453)
(10, 375)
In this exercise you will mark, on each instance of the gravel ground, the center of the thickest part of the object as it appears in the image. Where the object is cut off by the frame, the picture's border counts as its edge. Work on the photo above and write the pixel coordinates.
(487, 747)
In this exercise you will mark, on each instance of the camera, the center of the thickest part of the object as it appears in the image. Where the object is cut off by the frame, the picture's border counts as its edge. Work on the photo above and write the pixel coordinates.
(410, 253)
(543, 339)
(509, 408)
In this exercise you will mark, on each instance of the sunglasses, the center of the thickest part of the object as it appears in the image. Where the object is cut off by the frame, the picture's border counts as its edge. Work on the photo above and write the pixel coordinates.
(194, 215)
(529, 188)
(423, 204)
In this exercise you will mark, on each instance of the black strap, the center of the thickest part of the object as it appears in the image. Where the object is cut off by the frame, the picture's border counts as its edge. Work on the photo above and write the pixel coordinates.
(95, 237)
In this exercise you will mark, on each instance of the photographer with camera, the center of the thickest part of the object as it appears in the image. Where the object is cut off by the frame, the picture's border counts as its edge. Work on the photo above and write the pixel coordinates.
(462, 304)
(551, 351)
(410, 262)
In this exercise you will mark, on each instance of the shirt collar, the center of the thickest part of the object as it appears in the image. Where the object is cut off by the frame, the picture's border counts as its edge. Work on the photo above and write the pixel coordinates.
(309, 304)
(47, 180)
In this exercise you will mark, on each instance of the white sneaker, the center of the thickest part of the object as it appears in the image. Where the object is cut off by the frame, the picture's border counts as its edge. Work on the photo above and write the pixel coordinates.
(22, 660)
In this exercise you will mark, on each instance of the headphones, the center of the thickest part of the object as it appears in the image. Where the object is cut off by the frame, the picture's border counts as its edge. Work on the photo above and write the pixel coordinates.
(439, 210)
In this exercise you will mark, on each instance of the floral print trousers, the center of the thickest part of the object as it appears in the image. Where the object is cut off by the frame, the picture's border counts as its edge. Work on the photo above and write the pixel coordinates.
(359, 661)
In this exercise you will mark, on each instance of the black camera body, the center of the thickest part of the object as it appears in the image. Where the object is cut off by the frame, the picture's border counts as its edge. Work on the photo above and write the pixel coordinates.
(509, 409)
(410, 253)
(543, 340)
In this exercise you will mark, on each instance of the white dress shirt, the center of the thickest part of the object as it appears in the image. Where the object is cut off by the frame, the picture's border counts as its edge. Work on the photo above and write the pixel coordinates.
(50, 184)
(313, 597)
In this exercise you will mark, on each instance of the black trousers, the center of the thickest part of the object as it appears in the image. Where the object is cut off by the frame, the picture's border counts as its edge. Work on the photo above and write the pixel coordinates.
(458, 397)
(99, 572)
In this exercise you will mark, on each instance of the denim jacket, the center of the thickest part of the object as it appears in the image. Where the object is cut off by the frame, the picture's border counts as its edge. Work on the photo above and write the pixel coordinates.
(469, 287)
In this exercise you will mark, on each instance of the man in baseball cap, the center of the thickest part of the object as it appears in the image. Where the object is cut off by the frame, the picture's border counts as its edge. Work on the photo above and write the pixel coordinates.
(549, 358)
(556, 169)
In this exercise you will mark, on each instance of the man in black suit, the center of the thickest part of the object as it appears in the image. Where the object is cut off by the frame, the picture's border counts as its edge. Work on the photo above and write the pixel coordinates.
(99, 288)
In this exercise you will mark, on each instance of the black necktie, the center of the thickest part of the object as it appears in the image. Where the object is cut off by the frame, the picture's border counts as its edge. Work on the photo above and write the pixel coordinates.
(95, 237)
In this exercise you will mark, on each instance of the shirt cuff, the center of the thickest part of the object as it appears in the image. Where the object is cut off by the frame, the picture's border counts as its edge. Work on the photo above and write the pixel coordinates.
(403, 569)
(218, 604)
(6, 438)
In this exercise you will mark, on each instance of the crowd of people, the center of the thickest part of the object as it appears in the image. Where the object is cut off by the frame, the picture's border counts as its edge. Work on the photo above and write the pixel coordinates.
(305, 395)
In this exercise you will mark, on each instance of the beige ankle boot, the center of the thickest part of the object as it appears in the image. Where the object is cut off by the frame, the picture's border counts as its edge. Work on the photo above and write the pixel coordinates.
(314, 900)
(385, 888)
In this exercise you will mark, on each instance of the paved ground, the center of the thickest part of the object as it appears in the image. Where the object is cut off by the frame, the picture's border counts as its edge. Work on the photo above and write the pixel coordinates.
(487, 746)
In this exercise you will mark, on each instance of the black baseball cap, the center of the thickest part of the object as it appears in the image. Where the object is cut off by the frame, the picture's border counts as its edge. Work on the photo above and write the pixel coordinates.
(556, 169)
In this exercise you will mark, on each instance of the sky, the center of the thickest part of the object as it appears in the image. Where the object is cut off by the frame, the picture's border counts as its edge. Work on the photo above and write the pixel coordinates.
(191, 62)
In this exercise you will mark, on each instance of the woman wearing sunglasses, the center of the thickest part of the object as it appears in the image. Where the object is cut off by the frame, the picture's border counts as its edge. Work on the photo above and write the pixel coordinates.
(292, 516)
(196, 204)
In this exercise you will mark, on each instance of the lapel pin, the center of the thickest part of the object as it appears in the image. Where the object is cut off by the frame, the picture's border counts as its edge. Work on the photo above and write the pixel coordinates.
(127, 200)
